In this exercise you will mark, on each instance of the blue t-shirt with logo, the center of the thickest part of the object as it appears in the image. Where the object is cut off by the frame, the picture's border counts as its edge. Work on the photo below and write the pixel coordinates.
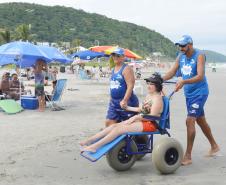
(188, 69)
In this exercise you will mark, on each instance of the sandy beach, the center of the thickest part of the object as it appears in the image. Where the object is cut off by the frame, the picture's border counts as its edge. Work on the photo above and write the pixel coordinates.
(42, 148)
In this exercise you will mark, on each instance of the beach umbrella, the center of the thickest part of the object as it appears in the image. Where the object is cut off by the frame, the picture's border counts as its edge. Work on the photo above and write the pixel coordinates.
(109, 49)
(88, 55)
(100, 48)
(55, 54)
(6, 59)
(22, 54)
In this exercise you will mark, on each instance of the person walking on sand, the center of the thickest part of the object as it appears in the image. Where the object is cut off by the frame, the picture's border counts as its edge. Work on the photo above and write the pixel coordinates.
(191, 65)
(39, 83)
(121, 90)
(153, 105)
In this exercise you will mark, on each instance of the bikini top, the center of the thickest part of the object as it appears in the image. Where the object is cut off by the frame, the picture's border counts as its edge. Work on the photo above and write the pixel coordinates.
(146, 110)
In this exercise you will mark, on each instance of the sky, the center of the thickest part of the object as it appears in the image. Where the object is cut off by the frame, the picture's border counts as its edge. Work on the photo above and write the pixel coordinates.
(204, 20)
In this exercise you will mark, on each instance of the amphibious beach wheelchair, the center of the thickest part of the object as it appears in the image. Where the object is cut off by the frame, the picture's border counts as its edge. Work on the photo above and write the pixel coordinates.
(125, 150)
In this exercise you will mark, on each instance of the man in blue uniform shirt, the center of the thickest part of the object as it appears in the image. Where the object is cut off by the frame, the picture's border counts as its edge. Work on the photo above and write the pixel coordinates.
(190, 63)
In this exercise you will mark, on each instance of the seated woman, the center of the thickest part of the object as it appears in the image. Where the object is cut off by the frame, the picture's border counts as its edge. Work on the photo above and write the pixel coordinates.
(5, 85)
(153, 105)
(14, 87)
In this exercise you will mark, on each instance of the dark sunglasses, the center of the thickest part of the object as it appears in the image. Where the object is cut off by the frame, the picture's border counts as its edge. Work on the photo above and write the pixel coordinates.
(182, 46)
(116, 55)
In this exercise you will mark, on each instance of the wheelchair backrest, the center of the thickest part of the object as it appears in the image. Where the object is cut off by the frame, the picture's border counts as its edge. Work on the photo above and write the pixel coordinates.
(165, 116)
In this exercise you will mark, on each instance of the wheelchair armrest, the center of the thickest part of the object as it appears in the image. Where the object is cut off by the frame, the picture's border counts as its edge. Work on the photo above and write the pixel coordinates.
(151, 118)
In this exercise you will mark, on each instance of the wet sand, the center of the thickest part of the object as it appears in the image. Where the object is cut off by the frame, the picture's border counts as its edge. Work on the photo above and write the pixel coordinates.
(42, 148)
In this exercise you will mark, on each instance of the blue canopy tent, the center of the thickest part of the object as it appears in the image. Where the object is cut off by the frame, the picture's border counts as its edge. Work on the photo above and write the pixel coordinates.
(88, 55)
(22, 54)
(55, 54)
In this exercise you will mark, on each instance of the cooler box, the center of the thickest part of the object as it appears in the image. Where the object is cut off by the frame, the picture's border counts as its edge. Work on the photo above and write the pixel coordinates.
(29, 102)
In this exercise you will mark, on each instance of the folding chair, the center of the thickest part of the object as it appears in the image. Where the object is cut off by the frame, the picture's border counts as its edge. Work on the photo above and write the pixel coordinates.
(57, 94)
(83, 75)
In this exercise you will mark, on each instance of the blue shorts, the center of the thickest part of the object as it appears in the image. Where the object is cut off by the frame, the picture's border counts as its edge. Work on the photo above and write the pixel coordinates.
(195, 105)
(115, 112)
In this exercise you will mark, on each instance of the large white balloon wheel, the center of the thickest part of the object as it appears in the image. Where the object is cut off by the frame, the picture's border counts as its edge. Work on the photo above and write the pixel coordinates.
(118, 158)
(167, 155)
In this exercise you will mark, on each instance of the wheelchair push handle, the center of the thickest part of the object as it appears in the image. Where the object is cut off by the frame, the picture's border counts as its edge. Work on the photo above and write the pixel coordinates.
(170, 82)
(171, 94)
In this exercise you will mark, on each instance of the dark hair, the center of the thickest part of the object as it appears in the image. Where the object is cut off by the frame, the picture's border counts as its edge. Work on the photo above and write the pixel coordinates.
(14, 74)
(157, 80)
(54, 82)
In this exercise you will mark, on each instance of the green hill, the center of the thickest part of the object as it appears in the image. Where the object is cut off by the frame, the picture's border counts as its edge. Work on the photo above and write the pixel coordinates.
(212, 56)
(62, 24)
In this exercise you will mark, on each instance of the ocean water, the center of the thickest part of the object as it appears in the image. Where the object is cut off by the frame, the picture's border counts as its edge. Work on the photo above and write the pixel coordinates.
(217, 65)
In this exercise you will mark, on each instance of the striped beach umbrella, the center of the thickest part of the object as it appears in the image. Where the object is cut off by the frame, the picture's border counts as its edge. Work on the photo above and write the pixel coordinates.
(109, 49)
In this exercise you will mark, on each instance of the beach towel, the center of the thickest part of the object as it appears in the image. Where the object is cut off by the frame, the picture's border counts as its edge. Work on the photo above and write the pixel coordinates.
(10, 106)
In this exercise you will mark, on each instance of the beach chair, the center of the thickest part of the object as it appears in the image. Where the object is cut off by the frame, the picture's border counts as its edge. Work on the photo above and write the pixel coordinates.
(57, 94)
(122, 152)
(83, 75)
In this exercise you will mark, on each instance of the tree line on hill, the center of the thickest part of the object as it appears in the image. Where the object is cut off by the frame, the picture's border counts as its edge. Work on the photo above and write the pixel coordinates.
(58, 24)
(21, 32)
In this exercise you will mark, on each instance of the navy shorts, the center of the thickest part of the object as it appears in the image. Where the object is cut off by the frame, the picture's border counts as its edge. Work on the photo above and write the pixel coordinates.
(39, 91)
(195, 105)
(115, 112)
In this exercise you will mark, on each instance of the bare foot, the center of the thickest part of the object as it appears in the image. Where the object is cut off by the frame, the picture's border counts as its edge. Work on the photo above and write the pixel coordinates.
(83, 143)
(186, 161)
(213, 152)
(88, 149)
(41, 110)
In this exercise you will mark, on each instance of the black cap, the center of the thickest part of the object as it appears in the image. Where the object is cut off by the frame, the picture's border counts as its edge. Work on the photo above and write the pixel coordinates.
(156, 79)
